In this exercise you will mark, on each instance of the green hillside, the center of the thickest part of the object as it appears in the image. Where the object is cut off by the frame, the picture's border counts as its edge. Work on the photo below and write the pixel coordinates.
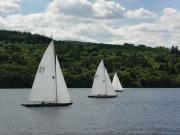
(137, 66)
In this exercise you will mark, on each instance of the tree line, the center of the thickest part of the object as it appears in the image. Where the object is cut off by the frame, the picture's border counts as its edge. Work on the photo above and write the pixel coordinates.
(136, 66)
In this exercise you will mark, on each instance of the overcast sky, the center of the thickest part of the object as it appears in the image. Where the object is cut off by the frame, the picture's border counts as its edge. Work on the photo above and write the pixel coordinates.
(150, 22)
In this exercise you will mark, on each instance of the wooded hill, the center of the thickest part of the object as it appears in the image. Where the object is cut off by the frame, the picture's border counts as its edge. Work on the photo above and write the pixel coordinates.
(137, 66)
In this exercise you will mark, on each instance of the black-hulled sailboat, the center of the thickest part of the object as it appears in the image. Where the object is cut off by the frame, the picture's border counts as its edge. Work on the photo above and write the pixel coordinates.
(102, 86)
(49, 88)
(117, 84)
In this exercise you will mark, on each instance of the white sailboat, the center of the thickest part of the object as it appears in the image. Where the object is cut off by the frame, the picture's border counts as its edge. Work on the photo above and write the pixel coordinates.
(116, 84)
(102, 86)
(49, 88)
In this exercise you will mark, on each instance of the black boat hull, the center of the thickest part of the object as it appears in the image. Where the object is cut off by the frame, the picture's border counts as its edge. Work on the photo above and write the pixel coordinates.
(103, 96)
(119, 90)
(47, 105)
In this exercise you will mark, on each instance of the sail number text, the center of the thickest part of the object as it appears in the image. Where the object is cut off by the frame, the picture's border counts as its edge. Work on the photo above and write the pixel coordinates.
(41, 69)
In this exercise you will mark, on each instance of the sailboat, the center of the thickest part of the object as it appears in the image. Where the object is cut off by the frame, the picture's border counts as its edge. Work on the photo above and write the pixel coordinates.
(116, 84)
(102, 86)
(49, 88)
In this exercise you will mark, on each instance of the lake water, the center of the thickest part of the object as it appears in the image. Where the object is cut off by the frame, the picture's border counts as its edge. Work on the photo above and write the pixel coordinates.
(133, 112)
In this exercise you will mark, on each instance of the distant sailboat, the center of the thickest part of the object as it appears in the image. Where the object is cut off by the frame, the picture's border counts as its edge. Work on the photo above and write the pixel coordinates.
(116, 84)
(49, 88)
(102, 86)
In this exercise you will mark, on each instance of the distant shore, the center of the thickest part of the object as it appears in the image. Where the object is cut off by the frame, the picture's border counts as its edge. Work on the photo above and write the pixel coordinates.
(137, 66)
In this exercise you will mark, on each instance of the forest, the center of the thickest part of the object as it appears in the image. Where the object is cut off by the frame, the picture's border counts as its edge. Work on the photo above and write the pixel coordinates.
(137, 66)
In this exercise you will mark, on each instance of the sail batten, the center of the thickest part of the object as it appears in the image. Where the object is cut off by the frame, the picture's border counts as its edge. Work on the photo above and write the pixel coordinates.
(102, 86)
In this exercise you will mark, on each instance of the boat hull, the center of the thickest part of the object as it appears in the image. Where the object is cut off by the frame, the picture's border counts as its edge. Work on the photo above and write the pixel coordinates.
(47, 105)
(119, 90)
(103, 96)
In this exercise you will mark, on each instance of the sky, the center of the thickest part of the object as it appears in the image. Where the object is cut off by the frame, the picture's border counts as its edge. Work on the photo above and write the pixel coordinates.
(150, 22)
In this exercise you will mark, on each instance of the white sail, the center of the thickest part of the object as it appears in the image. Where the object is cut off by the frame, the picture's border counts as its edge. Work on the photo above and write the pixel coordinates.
(110, 88)
(62, 92)
(102, 85)
(44, 86)
(116, 83)
(99, 85)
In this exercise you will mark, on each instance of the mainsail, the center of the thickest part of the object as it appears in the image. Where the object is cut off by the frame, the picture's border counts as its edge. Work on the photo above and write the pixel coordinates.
(116, 83)
(49, 87)
(102, 86)
(44, 86)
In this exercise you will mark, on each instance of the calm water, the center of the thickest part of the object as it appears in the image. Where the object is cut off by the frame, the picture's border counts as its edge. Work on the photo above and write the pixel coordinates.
(133, 112)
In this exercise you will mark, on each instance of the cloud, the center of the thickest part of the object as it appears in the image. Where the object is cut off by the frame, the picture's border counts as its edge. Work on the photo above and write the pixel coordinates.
(163, 31)
(169, 11)
(87, 8)
(141, 13)
(109, 9)
(71, 7)
(170, 15)
(65, 22)
(9, 6)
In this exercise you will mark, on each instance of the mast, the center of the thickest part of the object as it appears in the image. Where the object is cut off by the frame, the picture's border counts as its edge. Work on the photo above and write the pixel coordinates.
(116, 81)
(105, 77)
(55, 71)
